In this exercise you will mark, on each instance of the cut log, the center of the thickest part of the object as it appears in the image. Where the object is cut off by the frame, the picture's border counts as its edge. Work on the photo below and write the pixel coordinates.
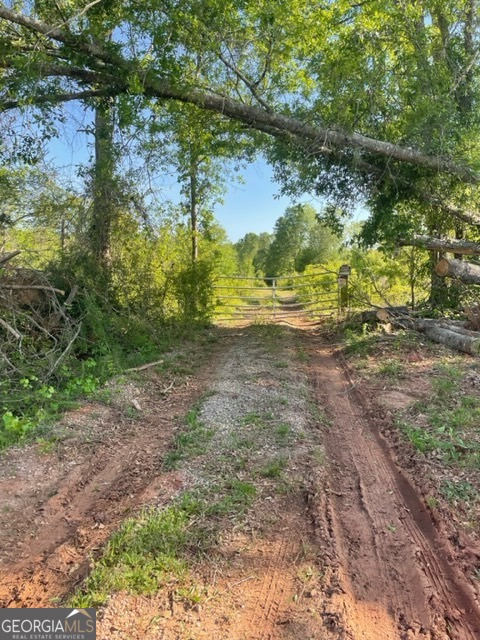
(387, 313)
(466, 272)
(447, 324)
(452, 339)
(450, 245)
(473, 317)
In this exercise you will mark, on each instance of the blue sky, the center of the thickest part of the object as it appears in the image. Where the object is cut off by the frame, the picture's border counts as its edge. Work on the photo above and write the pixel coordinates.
(253, 206)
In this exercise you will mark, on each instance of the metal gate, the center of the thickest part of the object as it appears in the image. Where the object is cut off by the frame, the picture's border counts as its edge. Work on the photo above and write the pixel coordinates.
(284, 298)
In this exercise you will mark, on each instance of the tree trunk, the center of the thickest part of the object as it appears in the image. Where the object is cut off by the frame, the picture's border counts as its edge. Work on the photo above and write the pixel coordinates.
(450, 245)
(438, 287)
(450, 338)
(194, 212)
(103, 185)
(466, 272)
(450, 326)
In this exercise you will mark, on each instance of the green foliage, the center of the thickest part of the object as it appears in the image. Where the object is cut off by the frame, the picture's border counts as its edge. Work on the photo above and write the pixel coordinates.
(382, 279)
(448, 421)
(252, 251)
(299, 240)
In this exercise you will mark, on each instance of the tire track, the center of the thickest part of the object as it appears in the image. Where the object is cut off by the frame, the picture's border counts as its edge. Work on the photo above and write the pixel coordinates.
(390, 553)
(88, 502)
(276, 585)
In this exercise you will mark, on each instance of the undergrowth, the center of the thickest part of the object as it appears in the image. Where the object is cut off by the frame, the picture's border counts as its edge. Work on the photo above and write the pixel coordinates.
(31, 403)
(446, 424)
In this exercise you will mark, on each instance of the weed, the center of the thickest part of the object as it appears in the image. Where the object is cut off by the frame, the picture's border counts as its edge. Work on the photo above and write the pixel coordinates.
(360, 343)
(192, 594)
(253, 418)
(283, 433)
(319, 415)
(153, 549)
(238, 496)
(421, 439)
(274, 468)
(302, 355)
(132, 413)
(191, 442)
(143, 554)
(307, 573)
(391, 368)
(47, 445)
(318, 455)
(458, 491)
(431, 502)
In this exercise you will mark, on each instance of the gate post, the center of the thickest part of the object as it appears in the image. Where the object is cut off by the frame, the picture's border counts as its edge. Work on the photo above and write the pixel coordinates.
(274, 295)
(343, 274)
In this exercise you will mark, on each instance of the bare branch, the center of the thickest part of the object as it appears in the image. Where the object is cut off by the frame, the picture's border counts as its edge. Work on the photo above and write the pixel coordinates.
(5, 285)
(250, 86)
(10, 329)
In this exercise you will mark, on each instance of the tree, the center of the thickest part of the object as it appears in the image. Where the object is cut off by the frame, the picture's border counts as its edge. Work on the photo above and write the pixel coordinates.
(377, 101)
(299, 239)
(252, 252)
(172, 54)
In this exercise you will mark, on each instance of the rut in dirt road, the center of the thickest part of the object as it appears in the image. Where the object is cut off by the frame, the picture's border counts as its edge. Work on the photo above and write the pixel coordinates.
(335, 545)
(395, 573)
(62, 507)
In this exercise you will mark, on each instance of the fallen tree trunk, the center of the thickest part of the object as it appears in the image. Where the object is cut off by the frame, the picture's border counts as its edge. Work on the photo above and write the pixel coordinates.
(466, 272)
(450, 245)
(389, 313)
(441, 331)
(451, 338)
(118, 68)
(446, 324)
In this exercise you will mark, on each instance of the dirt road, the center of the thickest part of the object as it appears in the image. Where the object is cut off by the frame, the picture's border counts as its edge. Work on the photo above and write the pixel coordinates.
(337, 544)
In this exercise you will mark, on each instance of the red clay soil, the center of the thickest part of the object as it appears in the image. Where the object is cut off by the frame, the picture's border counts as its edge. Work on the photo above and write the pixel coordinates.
(396, 573)
(59, 509)
(384, 570)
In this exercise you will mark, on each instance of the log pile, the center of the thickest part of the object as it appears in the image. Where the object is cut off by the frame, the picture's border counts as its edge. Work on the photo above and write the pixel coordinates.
(36, 329)
(451, 333)
(466, 272)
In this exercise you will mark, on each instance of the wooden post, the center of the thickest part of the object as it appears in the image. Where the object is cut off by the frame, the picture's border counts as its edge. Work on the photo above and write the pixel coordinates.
(274, 295)
(343, 274)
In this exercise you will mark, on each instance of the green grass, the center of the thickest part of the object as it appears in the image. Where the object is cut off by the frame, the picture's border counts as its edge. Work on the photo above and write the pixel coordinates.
(144, 554)
(451, 418)
(191, 442)
(461, 490)
(156, 548)
(391, 368)
(283, 434)
(274, 468)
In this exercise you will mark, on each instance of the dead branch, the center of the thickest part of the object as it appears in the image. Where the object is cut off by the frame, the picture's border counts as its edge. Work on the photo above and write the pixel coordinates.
(144, 366)
(9, 328)
(6, 257)
(39, 287)
(65, 351)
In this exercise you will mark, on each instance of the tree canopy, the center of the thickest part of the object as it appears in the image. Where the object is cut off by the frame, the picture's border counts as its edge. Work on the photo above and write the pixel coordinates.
(377, 100)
